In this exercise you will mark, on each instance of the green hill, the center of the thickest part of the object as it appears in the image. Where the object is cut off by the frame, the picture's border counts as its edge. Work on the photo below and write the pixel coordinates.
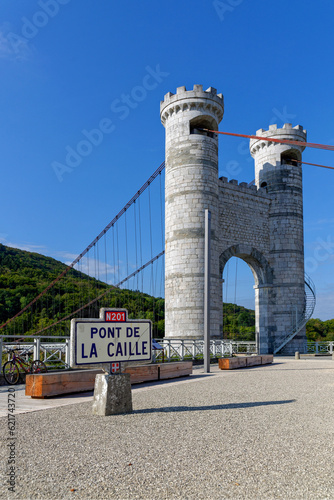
(238, 322)
(317, 330)
(23, 275)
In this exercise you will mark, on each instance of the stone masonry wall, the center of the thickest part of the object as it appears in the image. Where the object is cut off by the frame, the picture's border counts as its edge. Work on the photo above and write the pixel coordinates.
(243, 216)
(244, 232)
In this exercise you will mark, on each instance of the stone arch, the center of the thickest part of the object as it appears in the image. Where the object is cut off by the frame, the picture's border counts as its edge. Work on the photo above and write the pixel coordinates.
(263, 277)
(262, 272)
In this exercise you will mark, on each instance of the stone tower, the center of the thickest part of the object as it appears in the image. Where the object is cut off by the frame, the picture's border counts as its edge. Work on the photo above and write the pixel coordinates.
(261, 224)
(278, 170)
(191, 187)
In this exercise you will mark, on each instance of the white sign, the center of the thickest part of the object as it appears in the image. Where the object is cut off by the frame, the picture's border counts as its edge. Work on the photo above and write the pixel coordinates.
(105, 342)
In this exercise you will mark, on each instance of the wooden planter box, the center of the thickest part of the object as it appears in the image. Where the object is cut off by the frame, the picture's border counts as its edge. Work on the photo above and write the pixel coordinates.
(142, 373)
(174, 370)
(232, 363)
(44, 385)
(244, 361)
(161, 371)
(253, 360)
(267, 358)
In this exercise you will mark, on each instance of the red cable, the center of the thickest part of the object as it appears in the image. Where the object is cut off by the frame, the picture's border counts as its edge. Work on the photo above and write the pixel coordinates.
(313, 164)
(281, 141)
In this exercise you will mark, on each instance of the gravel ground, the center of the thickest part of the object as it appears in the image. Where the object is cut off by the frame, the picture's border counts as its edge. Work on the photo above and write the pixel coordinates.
(263, 432)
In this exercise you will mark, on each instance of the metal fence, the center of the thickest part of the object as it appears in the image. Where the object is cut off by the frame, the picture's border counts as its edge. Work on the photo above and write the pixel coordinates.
(180, 349)
(54, 354)
(320, 347)
(57, 354)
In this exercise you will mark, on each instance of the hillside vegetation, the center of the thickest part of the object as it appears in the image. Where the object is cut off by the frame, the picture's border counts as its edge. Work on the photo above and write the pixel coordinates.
(239, 322)
(23, 275)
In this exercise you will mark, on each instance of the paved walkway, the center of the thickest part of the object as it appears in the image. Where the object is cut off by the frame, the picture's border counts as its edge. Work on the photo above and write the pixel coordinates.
(25, 404)
(263, 432)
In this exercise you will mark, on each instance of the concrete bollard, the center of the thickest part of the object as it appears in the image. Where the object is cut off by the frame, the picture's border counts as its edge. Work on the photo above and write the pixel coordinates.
(112, 394)
(297, 355)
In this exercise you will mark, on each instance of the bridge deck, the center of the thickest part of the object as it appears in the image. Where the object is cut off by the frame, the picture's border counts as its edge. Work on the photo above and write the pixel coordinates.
(263, 432)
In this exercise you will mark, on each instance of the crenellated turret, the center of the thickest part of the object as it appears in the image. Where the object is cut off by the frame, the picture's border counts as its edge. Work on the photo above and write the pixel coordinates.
(278, 169)
(191, 187)
(269, 156)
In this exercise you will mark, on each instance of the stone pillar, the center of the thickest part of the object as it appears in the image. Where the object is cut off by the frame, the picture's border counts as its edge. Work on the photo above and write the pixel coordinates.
(112, 394)
(263, 319)
(277, 169)
(191, 187)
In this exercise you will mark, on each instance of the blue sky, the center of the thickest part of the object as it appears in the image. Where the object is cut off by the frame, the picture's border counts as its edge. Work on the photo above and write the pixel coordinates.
(68, 68)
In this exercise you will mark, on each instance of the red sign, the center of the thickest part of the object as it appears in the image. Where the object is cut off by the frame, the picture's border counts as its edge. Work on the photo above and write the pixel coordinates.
(115, 316)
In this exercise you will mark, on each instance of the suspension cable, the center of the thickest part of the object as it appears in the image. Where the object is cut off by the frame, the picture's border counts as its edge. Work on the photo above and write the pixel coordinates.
(272, 139)
(105, 257)
(313, 164)
(111, 223)
(111, 287)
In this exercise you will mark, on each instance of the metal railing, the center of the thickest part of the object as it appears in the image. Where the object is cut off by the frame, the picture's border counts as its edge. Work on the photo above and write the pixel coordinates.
(57, 355)
(54, 354)
(181, 350)
(320, 347)
(304, 317)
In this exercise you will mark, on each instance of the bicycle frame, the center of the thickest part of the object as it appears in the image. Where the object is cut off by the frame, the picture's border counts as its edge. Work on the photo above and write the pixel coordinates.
(21, 362)
(12, 367)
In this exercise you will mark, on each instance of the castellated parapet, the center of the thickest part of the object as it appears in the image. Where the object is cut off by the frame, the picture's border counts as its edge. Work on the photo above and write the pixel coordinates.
(261, 224)
(267, 154)
(208, 102)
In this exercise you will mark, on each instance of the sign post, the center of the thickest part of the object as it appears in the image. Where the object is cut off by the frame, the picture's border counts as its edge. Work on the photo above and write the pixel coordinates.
(207, 257)
(107, 341)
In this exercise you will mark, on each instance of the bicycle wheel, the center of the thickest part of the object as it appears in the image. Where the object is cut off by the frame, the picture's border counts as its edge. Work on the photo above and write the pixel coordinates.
(38, 366)
(11, 373)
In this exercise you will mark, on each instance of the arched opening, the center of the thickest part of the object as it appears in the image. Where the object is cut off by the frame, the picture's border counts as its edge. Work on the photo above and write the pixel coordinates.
(262, 283)
(200, 123)
(238, 301)
(291, 157)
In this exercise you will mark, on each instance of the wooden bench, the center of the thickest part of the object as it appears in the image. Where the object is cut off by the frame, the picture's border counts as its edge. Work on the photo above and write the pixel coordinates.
(174, 370)
(44, 385)
(266, 359)
(142, 373)
(161, 371)
(244, 361)
(41, 385)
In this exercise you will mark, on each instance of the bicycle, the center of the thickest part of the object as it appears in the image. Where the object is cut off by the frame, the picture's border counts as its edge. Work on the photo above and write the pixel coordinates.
(11, 371)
